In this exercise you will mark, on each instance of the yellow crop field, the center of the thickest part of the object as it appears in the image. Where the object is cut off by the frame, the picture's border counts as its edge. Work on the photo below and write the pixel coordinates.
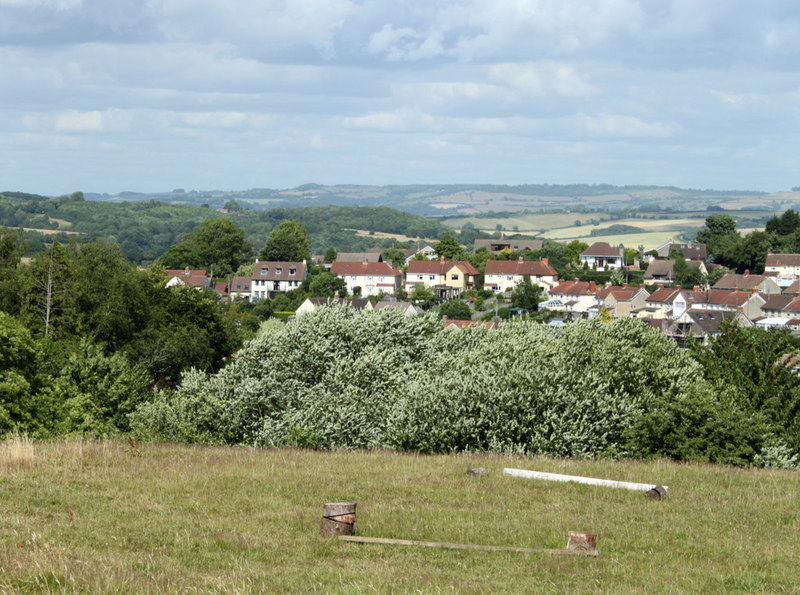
(526, 222)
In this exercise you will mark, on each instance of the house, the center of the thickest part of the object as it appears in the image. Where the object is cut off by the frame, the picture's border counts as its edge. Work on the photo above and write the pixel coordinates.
(702, 325)
(241, 287)
(661, 304)
(426, 251)
(495, 246)
(727, 300)
(458, 325)
(689, 251)
(369, 256)
(748, 282)
(601, 256)
(311, 304)
(368, 278)
(447, 279)
(273, 277)
(501, 276)
(574, 298)
(660, 272)
(620, 300)
(784, 268)
(187, 276)
(407, 308)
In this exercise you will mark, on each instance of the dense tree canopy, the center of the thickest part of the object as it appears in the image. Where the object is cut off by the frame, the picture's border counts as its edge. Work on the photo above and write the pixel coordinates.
(287, 242)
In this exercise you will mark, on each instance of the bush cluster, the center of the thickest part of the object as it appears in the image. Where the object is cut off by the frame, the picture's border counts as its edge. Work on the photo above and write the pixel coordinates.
(337, 378)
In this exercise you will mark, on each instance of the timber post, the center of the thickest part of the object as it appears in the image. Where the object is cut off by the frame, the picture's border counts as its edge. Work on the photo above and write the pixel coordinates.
(338, 518)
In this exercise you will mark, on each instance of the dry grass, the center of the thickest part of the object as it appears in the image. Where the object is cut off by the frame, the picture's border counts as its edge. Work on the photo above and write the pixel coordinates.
(94, 517)
(16, 451)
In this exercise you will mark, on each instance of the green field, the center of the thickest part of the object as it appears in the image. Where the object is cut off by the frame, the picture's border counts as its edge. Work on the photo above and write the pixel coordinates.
(104, 517)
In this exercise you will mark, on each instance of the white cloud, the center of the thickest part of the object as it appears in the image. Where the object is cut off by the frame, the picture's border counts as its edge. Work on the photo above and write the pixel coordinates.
(93, 121)
(403, 119)
(541, 78)
(616, 126)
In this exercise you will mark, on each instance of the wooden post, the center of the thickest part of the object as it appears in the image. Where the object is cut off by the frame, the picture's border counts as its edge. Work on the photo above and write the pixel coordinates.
(657, 493)
(581, 540)
(338, 518)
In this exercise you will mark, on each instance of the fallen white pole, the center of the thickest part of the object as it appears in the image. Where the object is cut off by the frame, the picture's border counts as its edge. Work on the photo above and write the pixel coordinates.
(625, 485)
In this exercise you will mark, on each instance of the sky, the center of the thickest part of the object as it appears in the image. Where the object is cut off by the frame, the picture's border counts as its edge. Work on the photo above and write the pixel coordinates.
(153, 95)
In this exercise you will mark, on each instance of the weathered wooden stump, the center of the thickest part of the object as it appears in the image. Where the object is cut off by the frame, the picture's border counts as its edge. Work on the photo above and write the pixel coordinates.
(479, 471)
(581, 540)
(657, 493)
(338, 518)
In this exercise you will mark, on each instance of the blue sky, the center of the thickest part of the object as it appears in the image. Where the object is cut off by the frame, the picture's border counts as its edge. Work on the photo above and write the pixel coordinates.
(112, 95)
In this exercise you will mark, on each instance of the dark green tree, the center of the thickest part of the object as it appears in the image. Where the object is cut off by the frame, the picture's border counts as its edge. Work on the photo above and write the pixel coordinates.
(526, 295)
(448, 247)
(455, 310)
(288, 242)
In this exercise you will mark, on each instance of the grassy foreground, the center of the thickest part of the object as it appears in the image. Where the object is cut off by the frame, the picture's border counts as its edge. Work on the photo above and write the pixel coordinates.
(105, 517)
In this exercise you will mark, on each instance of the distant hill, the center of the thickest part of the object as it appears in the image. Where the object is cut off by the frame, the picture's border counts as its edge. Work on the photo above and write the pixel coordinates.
(439, 200)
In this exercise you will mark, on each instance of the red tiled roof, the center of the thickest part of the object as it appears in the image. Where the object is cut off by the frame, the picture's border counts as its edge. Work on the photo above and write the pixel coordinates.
(621, 294)
(600, 249)
(516, 267)
(733, 281)
(574, 288)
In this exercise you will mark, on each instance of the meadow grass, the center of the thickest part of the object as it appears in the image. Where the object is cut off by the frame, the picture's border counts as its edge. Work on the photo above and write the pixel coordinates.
(86, 516)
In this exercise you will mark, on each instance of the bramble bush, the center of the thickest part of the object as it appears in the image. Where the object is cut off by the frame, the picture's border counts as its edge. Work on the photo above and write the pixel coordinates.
(337, 378)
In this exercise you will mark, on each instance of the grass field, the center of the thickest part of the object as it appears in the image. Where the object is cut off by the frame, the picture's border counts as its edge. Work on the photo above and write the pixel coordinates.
(526, 222)
(105, 517)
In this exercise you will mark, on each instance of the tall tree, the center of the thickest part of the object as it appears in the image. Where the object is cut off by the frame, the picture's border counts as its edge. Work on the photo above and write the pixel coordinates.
(287, 242)
(448, 247)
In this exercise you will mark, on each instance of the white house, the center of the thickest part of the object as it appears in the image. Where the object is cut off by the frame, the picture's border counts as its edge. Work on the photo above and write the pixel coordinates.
(273, 277)
(504, 275)
(784, 268)
(601, 256)
(372, 278)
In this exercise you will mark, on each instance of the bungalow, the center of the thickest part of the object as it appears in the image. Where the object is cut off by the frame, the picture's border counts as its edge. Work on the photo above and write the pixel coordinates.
(273, 277)
(368, 278)
(504, 275)
(601, 256)
(448, 279)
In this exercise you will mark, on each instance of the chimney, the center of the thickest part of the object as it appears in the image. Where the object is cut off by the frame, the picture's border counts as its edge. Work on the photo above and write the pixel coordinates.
(546, 261)
(746, 272)
(592, 287)
(520, 259)
(186, 271)
(696, 288)
(441, 259)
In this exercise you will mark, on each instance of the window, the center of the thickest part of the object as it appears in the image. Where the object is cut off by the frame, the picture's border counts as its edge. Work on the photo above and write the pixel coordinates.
(278, 271)
(292, 271)
(264, 270)
(454, 277)
(431, 277)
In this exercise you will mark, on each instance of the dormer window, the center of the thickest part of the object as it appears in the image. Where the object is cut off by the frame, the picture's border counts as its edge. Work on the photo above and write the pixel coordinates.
(292, 271)
(264, 270)
(278, 271)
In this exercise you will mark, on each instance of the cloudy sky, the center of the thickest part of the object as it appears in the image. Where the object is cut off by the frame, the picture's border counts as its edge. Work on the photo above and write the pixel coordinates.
(149, 95)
